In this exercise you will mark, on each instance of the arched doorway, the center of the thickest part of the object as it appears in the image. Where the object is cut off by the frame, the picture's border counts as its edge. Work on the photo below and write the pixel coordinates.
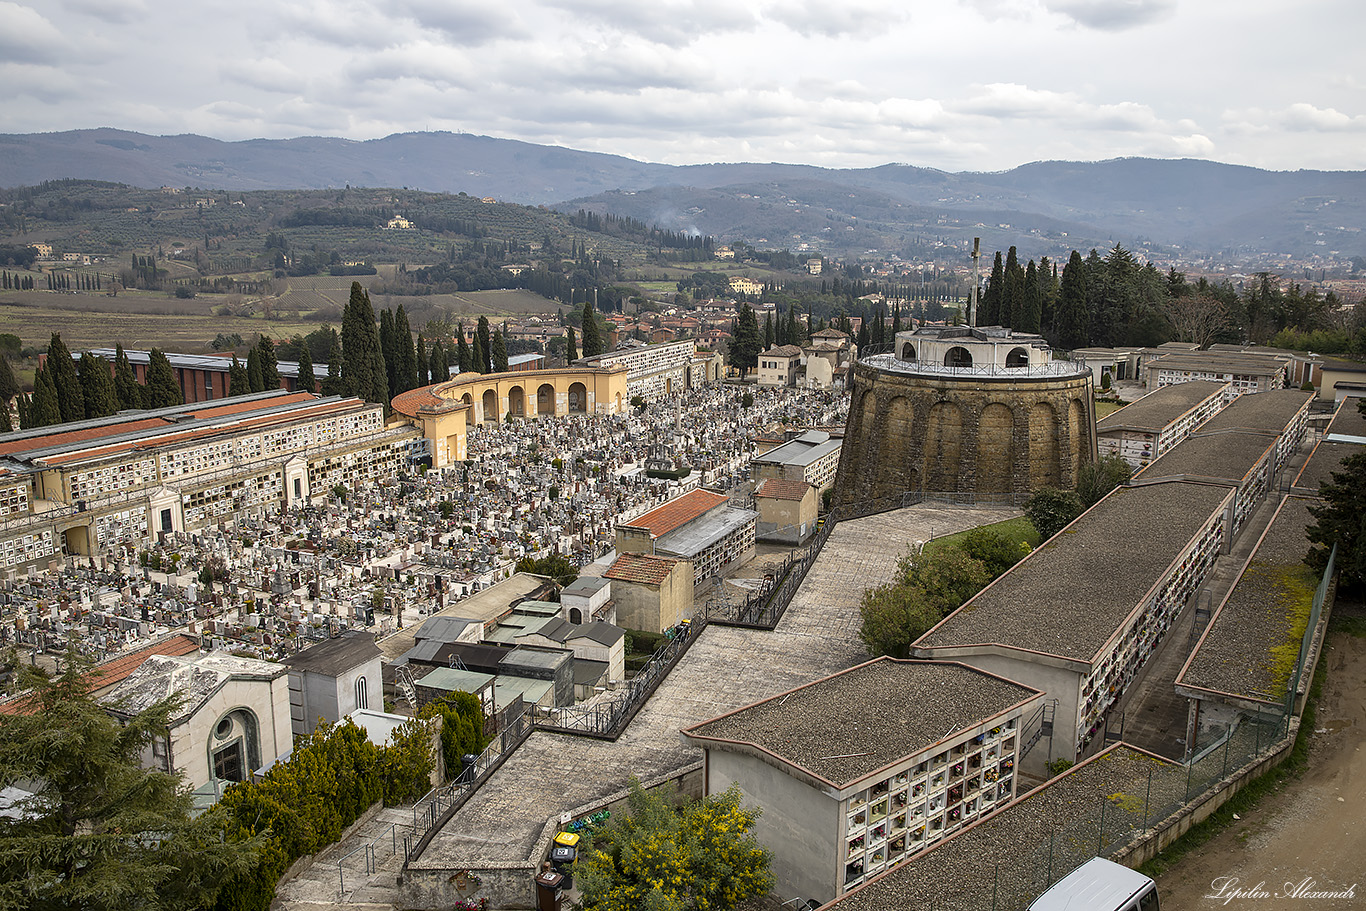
(517, 402)
(469, 412)
(491, 406)
(578, 398)
(575, 615)
(1018, 357)
(545, 399)
(958, 356)
(235, 746)
(908, 352)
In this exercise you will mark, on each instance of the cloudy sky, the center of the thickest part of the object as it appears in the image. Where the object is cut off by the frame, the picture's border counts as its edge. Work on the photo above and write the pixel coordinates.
(952, 84)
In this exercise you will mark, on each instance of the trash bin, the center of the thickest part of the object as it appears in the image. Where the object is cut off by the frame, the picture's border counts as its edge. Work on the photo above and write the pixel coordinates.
(548, 886)
(467, 768)
(562, 857)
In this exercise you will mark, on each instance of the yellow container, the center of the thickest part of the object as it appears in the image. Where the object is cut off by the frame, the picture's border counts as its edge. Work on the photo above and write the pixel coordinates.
(568, 839)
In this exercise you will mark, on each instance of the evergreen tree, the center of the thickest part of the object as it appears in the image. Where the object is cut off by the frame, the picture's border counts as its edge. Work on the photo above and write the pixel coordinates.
(591, 341)
(270, 367)
(1048, 294)
(255, 382)
(22, 405)
(389, 346)
(1340, 519)
(97, 385)
(421, 366)
(991, 299)
(436, 363)
(61, 369)
(768, 331)
(477, 357)
(745, 340)
(571, 350)
(483, 346)
(500, 353)
(1012, 296)
(9, 383)
(238, 381)
(896, 320)
(6, 423)
(126, 385)
(1029, 316)
(464, 357)
(305, 379)
(1073, 320)
(333, 384)
(407, 355)
(44, 410)
(162, 389)
(363, 371)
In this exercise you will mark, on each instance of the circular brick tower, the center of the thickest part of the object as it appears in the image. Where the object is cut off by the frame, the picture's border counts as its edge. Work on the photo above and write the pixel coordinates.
(971, 412)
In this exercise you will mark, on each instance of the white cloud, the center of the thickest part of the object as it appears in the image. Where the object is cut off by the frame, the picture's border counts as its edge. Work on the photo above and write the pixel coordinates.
(1308, 118)
(1114, 15)
(27, 37)
(112, 11)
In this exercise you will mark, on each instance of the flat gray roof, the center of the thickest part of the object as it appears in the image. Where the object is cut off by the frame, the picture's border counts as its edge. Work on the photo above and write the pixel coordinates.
(1161, 407)
(800, 452)
(1266, 610)
(695, 537)
(1348, 421)
(1074, 592)
(1272, 411)
(1221, 362)
(1323, 461)
(1226, 456)
(856, 722)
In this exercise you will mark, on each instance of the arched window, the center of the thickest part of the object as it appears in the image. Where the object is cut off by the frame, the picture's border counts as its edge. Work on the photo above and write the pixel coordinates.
(362, 697)
(575, 615)
(958, 356)
(1018, 357)
(908, 352)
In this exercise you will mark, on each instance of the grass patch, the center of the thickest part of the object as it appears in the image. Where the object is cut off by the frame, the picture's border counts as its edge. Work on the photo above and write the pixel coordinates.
(1255, 791)
(1016, 529)
(1104, 408)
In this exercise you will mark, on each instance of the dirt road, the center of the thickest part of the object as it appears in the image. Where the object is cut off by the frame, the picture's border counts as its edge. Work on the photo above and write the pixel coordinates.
(1307, 837)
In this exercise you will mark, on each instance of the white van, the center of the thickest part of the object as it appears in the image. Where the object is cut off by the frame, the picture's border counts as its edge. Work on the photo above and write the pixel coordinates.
(1099, 885)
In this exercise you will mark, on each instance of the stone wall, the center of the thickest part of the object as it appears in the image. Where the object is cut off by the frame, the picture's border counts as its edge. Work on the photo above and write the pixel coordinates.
(989, 436)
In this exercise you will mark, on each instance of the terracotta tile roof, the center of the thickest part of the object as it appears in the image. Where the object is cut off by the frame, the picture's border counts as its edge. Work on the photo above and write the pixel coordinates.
(645, 568)
(678, 512)
(783, 351)
(118, 669)
(409, 402)
(780, 489)
(59, 438)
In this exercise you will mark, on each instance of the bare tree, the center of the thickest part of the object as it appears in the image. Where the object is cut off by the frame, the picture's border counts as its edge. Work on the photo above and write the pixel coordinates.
(1198, 318)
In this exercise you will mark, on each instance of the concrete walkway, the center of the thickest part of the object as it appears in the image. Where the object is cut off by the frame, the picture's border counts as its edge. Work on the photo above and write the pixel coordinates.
(724, 669)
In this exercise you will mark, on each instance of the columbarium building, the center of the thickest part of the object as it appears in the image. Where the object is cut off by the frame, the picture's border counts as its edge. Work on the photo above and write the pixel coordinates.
(968, 411)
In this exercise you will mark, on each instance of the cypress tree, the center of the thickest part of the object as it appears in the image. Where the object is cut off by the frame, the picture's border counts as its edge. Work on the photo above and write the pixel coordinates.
(162, 389)
(22, 406)
(768, 331)
(420, 356)
(1073, 322)
(97, 385)
(306, 380)
(61, 369)
(477, 357)
(389, 347)
(571, 351)
(407, 356)
(1031, 306)
(333, 383)
(238, 381)
(991, 300)
(126, 385)
(485, 346)
(464, 357)
(592, 337)
(436, 363)
(499, 355)
(1012, 297)
(9, 383)
(363, 371)
(44, 410)
(255, 382)
(270, 369)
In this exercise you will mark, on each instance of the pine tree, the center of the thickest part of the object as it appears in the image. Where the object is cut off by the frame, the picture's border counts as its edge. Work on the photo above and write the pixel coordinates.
(97, 385)
(239, 383)
(477, 357)
(571, 350)
(1073, 319)
(464, 357)
(270, 368)
(745, 341)
(592, 335)
(126, 385)
(363, 371)
(162, 389)
(1012, 298)
(1030, 314)
(421, 366)
(500, 353)
(44, 410)
(9, 383)
(255, 382)
(484, 345)
(305, 380)
(61, 369)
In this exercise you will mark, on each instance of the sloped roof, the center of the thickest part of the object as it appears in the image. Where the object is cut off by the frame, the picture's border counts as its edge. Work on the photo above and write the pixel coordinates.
(780, 489)
(195, 678)
(337, 655)
(677, 512)
(645, 568)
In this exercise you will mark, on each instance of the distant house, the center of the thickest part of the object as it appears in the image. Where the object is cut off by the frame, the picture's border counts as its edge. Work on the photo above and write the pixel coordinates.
(651, 593)
(787, 511)
(779, 366)
(399, 223)
(743, 285)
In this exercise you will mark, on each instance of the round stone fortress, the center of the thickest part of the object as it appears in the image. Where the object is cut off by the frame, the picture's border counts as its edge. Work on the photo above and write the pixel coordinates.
(965, 411)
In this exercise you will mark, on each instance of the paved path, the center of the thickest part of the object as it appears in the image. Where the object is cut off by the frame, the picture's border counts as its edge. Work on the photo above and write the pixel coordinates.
(724, 669)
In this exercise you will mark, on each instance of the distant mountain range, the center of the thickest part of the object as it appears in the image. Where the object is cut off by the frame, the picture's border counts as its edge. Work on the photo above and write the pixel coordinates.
(1178, 210)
